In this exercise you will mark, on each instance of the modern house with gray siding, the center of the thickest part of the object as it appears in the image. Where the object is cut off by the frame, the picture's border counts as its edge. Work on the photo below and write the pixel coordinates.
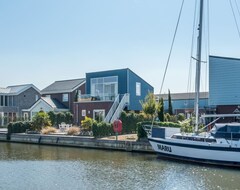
(184, 102)
(109, 92)
(14, 99)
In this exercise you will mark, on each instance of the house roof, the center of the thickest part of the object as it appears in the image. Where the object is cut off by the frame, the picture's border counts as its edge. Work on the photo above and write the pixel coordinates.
(63, 86)
(54, 103)
(17, 89)
(183, 96)
(220, 57)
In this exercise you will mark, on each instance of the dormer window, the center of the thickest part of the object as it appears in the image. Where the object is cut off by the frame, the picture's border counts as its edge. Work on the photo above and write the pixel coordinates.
(65, 97)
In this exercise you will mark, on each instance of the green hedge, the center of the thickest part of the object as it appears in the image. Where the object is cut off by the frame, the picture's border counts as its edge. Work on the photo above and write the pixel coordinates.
(129, 121)
(102, 129)
(58, 118)
(141, 133)
(19, 127)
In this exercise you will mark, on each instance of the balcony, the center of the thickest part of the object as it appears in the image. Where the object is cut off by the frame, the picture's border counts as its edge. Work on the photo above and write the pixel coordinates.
(90, 98)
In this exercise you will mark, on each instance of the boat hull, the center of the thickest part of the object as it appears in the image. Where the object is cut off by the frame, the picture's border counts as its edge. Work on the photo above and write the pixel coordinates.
(201, 152)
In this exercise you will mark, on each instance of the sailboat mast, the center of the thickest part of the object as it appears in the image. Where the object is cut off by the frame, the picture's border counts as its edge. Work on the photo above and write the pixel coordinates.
(198, 65)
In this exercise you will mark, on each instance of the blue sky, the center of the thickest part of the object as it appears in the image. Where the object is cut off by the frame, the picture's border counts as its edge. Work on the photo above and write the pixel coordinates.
(42, 41)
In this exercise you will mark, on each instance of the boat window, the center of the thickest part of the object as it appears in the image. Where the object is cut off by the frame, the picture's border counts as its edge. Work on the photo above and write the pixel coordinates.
(233, 129)
(222, 129)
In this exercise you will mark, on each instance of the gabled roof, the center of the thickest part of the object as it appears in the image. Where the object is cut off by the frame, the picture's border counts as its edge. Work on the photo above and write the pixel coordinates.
(63, 86)
(183, 96)
(52, 103)
(17, 89)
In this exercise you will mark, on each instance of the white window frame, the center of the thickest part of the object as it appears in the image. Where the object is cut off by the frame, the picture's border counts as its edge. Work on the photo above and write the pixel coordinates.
(138, 89)
(101, 81)
(98, 110)
(65, 97)
(84, 113)
(36, 97)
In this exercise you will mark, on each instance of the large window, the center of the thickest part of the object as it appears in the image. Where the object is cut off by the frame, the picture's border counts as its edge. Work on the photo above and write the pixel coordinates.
(105, 88)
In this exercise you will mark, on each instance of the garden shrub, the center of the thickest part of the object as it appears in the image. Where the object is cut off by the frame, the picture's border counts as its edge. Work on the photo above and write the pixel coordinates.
(40, 120)
(19, 127)
(60, 117)
(73, 131)
(87, 123)
(102, 129)
(130, 120)
(48, 130)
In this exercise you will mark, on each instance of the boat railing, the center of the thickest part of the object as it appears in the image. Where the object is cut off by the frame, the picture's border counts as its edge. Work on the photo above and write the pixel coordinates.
(194, 138)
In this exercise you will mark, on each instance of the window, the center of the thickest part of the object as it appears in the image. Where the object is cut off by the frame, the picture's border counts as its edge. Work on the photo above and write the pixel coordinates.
(1, 101)
(65, 97)
(6, 100)
(99, 115)
(79, 93)
(36, 97)
(83, 113)
(10, 100)
(25, 116)
(106, 88)
(138, 89)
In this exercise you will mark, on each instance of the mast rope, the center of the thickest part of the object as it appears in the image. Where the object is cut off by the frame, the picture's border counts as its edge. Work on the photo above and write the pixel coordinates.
(170, 53)
(169, 56)
(235, 19)
(237, 7)
(191, 53)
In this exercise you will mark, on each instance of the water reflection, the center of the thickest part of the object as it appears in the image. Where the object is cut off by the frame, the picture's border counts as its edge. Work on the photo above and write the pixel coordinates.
(47, 167)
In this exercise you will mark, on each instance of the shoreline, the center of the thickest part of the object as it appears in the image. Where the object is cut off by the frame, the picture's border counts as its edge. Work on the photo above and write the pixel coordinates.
(79, 141)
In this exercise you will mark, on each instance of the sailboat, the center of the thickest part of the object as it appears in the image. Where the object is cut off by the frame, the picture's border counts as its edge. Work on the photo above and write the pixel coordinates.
(221, 145)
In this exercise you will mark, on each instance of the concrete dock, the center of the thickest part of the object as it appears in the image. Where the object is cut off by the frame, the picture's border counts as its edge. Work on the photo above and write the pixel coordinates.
(78, 141)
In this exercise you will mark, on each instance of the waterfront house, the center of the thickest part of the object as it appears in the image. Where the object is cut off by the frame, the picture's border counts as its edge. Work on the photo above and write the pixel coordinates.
(14, 99)
(61, 94)
(108, 93)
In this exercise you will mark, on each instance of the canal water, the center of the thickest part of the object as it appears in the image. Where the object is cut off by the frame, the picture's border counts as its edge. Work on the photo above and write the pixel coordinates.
(34, 167)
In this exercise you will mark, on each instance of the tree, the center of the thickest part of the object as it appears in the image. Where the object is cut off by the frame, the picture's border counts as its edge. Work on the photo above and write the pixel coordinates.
(160, 110)
(170, 109)
(40, 120)
(52, 117)
(60, 117)
(76, 96)
(69, 117)
(149, 105)
(180, 117)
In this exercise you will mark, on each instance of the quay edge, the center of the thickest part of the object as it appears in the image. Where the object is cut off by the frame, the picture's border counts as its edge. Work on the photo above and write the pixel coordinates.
(77, 141)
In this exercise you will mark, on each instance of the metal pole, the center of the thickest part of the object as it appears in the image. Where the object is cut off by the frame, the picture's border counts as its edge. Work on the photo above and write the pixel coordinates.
(198, 66)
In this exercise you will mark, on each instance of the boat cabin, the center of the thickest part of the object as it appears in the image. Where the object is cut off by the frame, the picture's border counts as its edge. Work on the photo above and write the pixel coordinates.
(226, 130)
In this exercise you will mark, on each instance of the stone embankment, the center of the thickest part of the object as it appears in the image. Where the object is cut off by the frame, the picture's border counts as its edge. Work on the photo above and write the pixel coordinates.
(78, 141)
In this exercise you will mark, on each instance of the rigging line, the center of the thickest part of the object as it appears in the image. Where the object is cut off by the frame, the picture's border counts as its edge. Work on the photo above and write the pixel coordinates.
(191, 53)
(169, 56)
(237, 7)
(235, 19)
(206, 38)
